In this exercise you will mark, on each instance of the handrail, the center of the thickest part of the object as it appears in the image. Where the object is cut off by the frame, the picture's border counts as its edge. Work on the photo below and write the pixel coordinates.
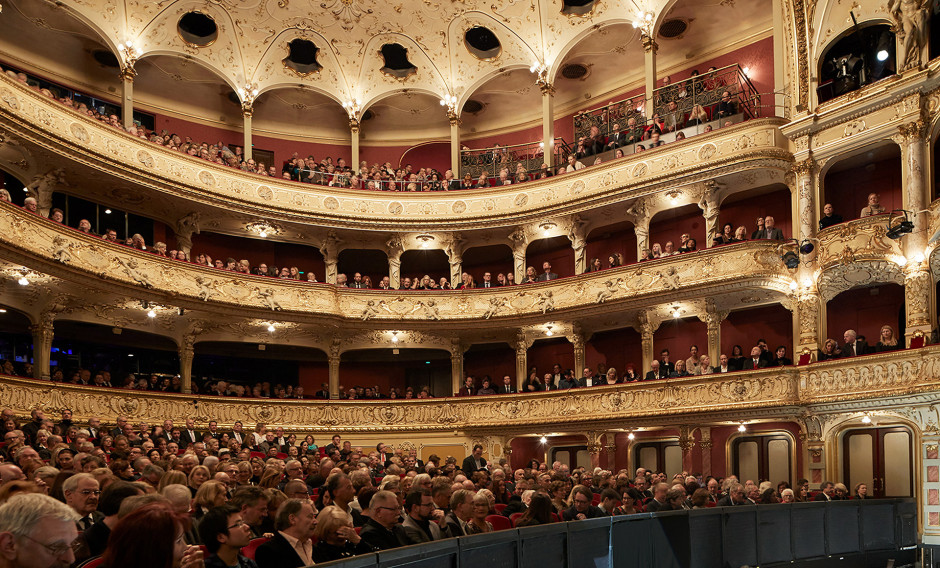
(530, 155)
(611, 113)
(860, 532)
(705, 90)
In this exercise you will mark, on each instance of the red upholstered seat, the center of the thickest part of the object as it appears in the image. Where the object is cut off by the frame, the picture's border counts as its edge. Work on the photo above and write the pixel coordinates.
(556, 518)
(710, 504)
(259, 455)
(499, 522)
(500, 507)
(514, 518)
(249, 550)
(805, 359)
(92, 562)
(596, 499)
(917, 342)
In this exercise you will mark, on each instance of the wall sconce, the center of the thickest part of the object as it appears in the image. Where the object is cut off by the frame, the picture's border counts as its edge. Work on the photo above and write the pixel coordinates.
(547, 226)
(548, 331)
(263, 228)
(353, 108)
(425, 240)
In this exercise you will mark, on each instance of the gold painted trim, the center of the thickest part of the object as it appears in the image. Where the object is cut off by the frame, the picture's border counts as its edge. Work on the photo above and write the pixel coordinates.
(179, 32)
(290, 69)
(794, 449)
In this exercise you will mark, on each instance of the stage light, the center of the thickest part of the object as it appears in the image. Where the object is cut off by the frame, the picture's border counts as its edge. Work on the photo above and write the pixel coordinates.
(807, 247)
(882, 55)
(790, 259)
(903, 227)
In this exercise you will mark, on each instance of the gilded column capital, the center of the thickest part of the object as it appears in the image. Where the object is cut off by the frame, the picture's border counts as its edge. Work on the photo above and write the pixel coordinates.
(911, 132)
(547, 88)
(127, 72)
(804, 167)
(354, 125)
(452, 118)
(649, 44)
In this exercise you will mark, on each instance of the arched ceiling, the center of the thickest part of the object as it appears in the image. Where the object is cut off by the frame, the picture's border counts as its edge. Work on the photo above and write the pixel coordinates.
(253, 37)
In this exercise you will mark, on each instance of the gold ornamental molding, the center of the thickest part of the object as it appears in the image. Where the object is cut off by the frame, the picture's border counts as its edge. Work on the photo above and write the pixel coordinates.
(860, 239)
(758, 394)
(755, 144)
(52, 249)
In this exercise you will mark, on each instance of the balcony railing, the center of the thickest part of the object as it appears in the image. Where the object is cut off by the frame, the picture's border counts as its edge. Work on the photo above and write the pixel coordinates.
(706, 91)
(610, 118)
(530, 156)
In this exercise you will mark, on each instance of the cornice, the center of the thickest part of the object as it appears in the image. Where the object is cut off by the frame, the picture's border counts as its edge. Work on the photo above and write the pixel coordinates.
(760, 395)
(43, 122)
(61, 252)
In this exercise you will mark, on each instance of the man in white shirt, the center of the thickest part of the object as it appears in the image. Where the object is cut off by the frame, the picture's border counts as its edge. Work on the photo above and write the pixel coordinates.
(723, 364)
(291, 546)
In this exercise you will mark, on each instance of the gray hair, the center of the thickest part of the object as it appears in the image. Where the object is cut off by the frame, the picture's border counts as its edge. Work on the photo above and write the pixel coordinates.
(22, 512)
(384, 497)
(288, 508)
(72, 482)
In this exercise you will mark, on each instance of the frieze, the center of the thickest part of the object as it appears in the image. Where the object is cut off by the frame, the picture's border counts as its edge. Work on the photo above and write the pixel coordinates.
(860, 239)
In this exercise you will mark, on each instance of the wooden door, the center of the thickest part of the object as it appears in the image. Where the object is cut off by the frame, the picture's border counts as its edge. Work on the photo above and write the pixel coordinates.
(767, 457)
(882, 458)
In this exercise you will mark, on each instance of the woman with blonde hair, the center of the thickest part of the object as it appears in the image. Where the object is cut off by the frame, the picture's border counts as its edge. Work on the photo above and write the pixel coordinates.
(172, 477)
(336, 537)
(211, 494)
(888, 340)
(199, 475)
(481, 508)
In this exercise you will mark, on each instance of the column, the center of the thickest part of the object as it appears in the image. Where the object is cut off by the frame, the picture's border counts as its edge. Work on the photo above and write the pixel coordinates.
(247, 111)
(329, 248)
(610, 444)
(646, 329)
(650, 47)
(334, 368)
(42, 345)
(354, 135)
(712, 319)
(548, 123)
(594, 446)
(917, 294)
(687, 444)
(577, 340)
(807, 313)
(456, 366)
(708, 203)
(455, 258)
(642, 229)
(522, 348)
(187, 352)
(127, 99)
(454, 144)
(577, 234)
(518, 259)
(929, 450)
(705, 443)
(394, 249)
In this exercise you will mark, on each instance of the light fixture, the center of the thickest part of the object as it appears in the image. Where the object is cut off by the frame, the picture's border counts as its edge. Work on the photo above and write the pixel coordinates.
(918, 258)
(263, 228)
(450, 103)
(631, 436)
(130, 354)
(742, 428)
(543, 440)
(425, 240)
(674, 195)
(807, 283)
(903, 226)
(676, 313)
(547, 226)
(151, 313)
(23, 281)
(644, 22)
(394, 337)
(548, 331)
(353, 107)
(3, 310)
(271, 327)
(746, 70)
(790, 259)
(807, 246)
(866, 419)
(794, 285)
(107, 211)
(882, 55)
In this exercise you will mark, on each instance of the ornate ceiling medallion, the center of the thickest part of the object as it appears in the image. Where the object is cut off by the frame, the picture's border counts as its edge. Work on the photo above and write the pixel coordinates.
(347, 12)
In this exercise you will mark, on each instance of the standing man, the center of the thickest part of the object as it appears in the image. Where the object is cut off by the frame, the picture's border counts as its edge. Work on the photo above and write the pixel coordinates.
(475, 461)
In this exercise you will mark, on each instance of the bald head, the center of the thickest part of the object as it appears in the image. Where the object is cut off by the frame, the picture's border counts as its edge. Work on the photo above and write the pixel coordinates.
(10, 472)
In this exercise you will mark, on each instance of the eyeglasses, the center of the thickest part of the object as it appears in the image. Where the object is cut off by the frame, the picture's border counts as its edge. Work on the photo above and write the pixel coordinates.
(87, 492)
(238, 523)
(55, 549)
(581, 501)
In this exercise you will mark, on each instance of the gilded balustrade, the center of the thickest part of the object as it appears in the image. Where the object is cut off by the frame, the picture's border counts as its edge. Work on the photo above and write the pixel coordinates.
(764, 393)
(50, 248)
(31, 118)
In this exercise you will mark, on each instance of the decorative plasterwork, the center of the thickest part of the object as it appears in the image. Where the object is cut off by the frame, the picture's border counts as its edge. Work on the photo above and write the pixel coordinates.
(753, 144)
(807, 394)
(844, 277)
(861, 239)
(25, 238)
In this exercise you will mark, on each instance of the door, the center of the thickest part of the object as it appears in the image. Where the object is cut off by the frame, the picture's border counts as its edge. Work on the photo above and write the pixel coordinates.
(882, 458)
(762, 458)
(572, 456)
(658, 456)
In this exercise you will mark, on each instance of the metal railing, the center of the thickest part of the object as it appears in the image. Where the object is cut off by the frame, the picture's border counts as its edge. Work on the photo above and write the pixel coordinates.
(610, 118)
(706, 91)
(863, 534)
(527, 157)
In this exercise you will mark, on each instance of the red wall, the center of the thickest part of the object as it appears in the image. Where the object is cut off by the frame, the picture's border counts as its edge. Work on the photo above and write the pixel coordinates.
(617, 238)
(198, 132)
(759, 57)
(311, 375)
(284, 149)
(773, 323)
(614, 348)
(496, 361)
(744, 210)
(544, 353)
(858, 309)
(256, 251)
(369, 374)
(556, 250)
(492, 258)
(417, 263)
(431, 155)
(669, 226)
(848, 190)
(677, 335)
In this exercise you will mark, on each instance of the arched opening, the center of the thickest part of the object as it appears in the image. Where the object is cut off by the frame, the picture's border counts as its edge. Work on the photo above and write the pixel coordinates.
(104, 218)
(495, 360)
(743, 209)
(669, 225)
(367, 262)
(401, 369)
(16, 342)
(244, 366)
(405, 116)
(272, 254)
(418, 263)
(556, 251)
(772, 323)
(544, 354)
(678, 335)
(865, 309)
(876, 170)
(863, 55)
(14, 187)
(617, 348)
(492, 259)
(617, 239)
(127, 354)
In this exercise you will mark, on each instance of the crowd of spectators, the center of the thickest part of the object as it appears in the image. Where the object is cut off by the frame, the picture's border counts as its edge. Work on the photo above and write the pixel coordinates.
(205, 496)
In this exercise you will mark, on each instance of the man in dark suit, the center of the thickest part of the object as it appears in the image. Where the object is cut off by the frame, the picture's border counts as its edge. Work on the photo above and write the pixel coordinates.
(587, 379)
(468, 388)
(771, 232)
(829, 217)
(654, 373)
(582, 508)
(238, 434)
(382, 530)
(487, 281)
(828, 490)
(723, 366)
(507, 387)
(666, 366)
(213, 431)
(658, 502)
(223, 533)
(755, 361)
(853, 346)
(119, 429)
(547, 273)
(323, 393)
(735, 496)
(357, 281)
(461, 507)
(475, 461)
(189, 435)
(384, 456)
(291, 546)
(450, 183)
(725, 107)
(617, 138)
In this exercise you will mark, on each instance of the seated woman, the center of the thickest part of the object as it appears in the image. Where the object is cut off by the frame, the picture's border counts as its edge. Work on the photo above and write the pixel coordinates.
(740, 234)
(630, 375)
(530, 275)
(830, 350)
(680, 369)
(336, 537)
(611, 377)
(698, 116)
(481, 508)
(726, 236)
(532, 384)
(614, 260)
(737, 358)
(706, 365)
(594, 265)
(628, 502)
(888, 341)
(656, 251)
(539, 511)
(690, 246)
(467, 181)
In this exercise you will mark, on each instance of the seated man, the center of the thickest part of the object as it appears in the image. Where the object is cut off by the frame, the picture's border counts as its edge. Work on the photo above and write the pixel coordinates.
(582, 508)
(421, 522)
(653, 373)
(673, 119)
(382, 530)
(853, 345)
(725, 107)
(874, 206)
(291, 546)
(755, 361)
(771, 232)
(617, 138)
(223, 533)
(658, 502)
(829, 218)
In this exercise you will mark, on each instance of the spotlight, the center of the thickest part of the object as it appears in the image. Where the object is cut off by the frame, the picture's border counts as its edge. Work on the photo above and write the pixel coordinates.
(790, 259)
(107, 211)
(807, 247)
(271, 327)
(543, 440)
(630, 436)
(794, 285)
(151, 314)
(903, 226)
(866, 419)
(3, 310)
(394, 337)
(742, 428)
(882, 55)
